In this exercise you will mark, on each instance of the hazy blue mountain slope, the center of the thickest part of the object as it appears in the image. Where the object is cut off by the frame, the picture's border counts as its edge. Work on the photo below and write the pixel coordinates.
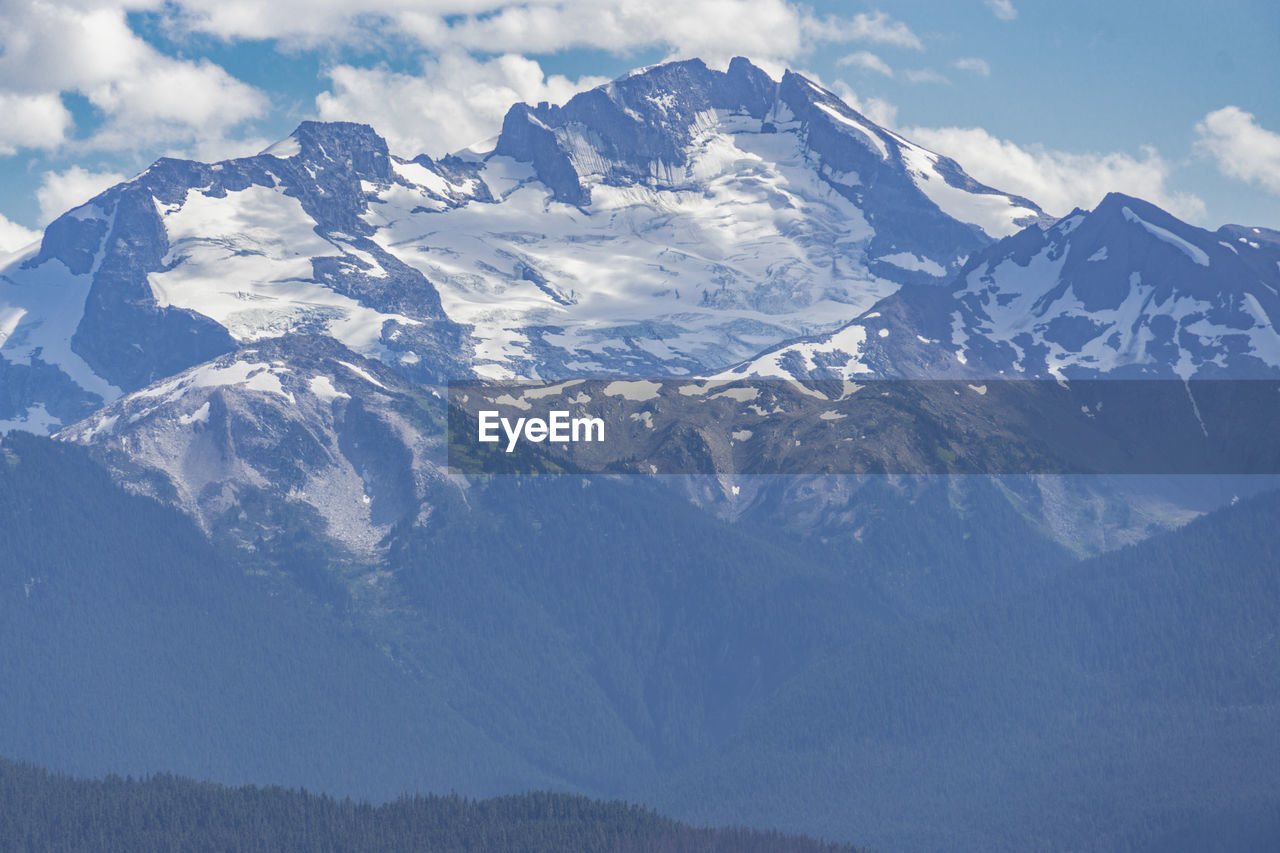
(1126, 702)
(128, 645)
(595, 632)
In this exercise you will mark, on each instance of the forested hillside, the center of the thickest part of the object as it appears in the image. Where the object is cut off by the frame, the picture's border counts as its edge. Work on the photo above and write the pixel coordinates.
(1129, 704)
(599, 636)
(42, 812)
(127, 644)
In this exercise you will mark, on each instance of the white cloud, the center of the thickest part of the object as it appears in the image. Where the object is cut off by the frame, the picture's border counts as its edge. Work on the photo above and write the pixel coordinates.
(974, 64)
(87, 47)
(32, 121)
(685, 27)
(14, 236)
(876, 27)
(766, 29)
(150, 100)
(878, 110)
(868, 62)
(171, 100)
(1002, 9)
(300, 23)
(1057, 180)
(925, 75)
(1241, 148)
(455, 101)
(713, 29)
(62, 191)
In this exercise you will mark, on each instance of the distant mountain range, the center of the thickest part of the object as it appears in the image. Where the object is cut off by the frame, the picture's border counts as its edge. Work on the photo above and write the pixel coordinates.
(671, 222)
(1123, 291)
(679, 221)
(264, 343)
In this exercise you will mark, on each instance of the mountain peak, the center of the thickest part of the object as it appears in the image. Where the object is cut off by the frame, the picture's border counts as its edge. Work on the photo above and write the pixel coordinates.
(628, 130)
(1114, 203)
(647, 128)
(337, 142)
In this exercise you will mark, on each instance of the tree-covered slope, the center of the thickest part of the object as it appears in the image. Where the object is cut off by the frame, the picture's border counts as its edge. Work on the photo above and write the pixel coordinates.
(128, 645)
(40, 811)
(948, 680)
(1130, 703)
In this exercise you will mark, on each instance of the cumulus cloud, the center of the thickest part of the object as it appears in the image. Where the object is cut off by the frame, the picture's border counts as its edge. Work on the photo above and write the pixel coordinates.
(768, 29)
(876, 27)
(974, 64)
(1057, 180)
(1002, 9)
(50, 48)
(298, 23)
(62, 191)
(867, 61)
(151, 100)
(455, 100)
(14, 236)
(1241, 148)
(762, 28)
(880, 111)
(173, 100)
(32, 121)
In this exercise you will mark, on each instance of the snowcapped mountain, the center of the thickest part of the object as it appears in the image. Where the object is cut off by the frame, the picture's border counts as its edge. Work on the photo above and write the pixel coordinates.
(299, 430)
(1123, 291)
(674, 221)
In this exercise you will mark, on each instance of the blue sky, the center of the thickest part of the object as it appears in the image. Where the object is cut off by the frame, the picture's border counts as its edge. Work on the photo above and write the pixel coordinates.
(1058, 101)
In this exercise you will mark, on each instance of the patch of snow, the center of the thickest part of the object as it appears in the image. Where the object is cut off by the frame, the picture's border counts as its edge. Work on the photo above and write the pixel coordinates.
(742, 395)
(199, 416)
(1069, 224)
(514, 402)
(1193, 252)
(434, 182)
(323, 389)
(253, 376)
(636, 391)
(101, 424)
(35, 419)
(244, 261)
(864, 132)
(908, 261)
(994, 213)
(284, 149)
(40, 310)
(363, 374)
(847, 341)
